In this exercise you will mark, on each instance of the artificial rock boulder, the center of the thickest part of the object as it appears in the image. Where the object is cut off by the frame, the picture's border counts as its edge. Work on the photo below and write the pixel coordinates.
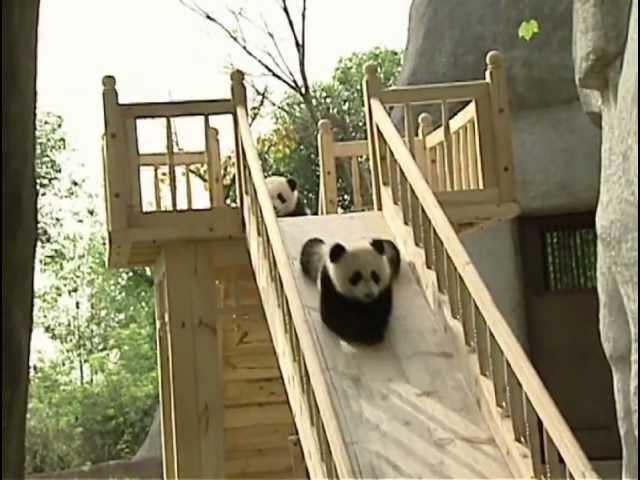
(606, 58)
(555, 146)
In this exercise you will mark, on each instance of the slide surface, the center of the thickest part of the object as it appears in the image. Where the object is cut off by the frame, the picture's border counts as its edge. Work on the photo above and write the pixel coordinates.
(403, 406)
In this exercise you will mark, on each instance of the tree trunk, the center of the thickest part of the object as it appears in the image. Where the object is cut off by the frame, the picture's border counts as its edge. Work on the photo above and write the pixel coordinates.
(19, 37)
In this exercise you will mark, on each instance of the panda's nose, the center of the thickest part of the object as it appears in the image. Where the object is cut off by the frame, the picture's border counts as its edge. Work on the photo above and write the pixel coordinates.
(369, 296)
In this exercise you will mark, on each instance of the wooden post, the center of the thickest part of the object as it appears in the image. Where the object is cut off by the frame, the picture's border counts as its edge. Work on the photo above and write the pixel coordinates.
(195, 359)
(116, 166)
(327, 167)
(214, 166)
(497, 78)
(164, 374)
(371, 86)
(239, 99)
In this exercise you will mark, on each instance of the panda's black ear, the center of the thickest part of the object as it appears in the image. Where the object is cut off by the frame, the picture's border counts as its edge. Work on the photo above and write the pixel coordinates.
(336, 252)
(378, 245)
(292, 184)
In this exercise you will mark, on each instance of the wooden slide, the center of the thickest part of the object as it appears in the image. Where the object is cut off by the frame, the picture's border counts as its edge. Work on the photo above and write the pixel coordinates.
(403, 407)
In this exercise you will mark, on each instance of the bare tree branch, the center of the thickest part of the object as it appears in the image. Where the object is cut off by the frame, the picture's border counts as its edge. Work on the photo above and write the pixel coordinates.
(245, 48)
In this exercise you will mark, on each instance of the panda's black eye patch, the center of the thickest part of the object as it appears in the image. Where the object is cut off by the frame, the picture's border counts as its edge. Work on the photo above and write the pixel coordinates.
(375, 277)
(355, 278)
(281, 198)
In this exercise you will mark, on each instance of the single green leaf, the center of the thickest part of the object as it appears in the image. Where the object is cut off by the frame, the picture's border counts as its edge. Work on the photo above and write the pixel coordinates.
(529, 29)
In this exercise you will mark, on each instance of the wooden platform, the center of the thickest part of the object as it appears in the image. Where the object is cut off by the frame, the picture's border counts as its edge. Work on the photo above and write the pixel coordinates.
(403, 406)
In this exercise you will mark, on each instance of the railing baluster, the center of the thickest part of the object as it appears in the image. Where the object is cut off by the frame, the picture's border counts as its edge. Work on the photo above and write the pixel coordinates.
(393, 177)
(464, 157)
(172, 167)
(516, 407)
(555, 469)
(457, 163)
(533, 440)
(439, 262)
(498, 374)
(467, 312)
(471, 155)
(482, 341)
(427, 241)
(187, 172)
(404, 199)
(452, 289)
(440, 168)
(448, 149)
(416, 221)
(355, 182)
(156, 188)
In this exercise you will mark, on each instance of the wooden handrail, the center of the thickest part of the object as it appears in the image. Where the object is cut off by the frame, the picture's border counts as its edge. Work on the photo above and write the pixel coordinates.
(425, 94)
(177, 109)
(533, 387)
(256, 190)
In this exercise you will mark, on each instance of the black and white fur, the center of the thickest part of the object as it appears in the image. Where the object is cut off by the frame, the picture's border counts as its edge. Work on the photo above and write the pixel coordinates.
(356, 295)
(285, 196)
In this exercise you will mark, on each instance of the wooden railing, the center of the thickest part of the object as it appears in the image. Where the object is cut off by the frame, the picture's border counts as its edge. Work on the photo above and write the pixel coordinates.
(326, 455)
(140, 183)
(527, 425)
(464, 161)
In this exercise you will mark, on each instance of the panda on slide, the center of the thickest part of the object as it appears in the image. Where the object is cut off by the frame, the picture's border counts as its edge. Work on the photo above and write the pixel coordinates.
(356, 296)
(285, 196)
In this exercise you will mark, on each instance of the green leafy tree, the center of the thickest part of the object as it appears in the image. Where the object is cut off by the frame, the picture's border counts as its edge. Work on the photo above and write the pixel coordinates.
(291, 147)
(95, 400)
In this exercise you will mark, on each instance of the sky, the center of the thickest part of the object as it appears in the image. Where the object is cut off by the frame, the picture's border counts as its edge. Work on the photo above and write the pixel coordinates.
(158, 50)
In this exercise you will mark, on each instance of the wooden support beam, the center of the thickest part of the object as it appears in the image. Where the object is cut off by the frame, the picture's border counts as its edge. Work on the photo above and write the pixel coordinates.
(195, 360)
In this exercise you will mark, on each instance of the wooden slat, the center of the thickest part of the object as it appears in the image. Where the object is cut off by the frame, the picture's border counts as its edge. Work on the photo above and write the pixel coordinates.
(448, 149)
(179, 158)
(498, 375)
(177, 109)
(257, 437)
(452, 288)
(214, 166)
(516, 406)
(427, 241)
(393, 179)
(355, 180)
(156, 189)
(404, 197)
(555, 468)
(164, 375)
(253, 392)
(416, 221)
(256, 415)
(474, 175)
(252, 463)
(134, 166)
(172, 168)
(533, 440)
(353, 148)
(467, 313)
(433, 93)
(464, 157)
(482, 342)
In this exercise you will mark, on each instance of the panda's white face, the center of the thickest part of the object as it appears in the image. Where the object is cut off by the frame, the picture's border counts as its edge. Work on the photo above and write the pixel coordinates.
(360, 272)
(284, 194)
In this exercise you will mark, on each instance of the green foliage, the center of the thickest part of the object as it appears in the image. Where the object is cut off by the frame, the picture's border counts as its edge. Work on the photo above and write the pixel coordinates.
(95, 400)
(291, 147)
(529, 29)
